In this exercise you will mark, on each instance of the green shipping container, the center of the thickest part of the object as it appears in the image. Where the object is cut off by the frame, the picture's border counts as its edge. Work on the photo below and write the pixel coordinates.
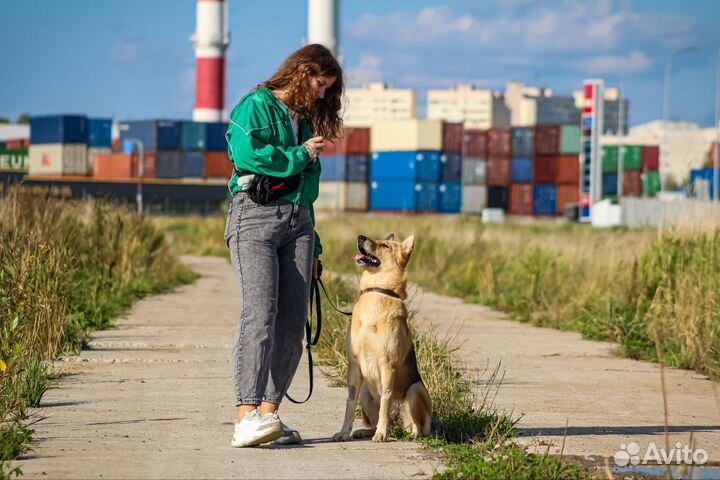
(651, 183)
(632, 159)
(14, 160)
(569, 139)
(609, 158)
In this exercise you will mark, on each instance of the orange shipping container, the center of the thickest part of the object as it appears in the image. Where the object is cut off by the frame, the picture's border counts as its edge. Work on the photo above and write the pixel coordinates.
(148, 165)
(566, 195)
(113, 165)
(498, 171)
(217, 165)
(355, 141)
(521, 199)
(632, 183)
(567, 170)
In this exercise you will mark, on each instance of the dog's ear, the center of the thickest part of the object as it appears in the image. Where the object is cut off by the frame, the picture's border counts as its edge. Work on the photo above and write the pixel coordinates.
(408, 246)
(391, 237)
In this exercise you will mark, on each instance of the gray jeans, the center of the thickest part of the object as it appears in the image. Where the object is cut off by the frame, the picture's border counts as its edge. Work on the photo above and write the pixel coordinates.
(271, 247)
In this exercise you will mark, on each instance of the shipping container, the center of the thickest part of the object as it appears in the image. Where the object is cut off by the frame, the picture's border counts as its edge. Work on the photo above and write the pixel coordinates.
(545, 200)
(168, 164)
(15, 144)
(547, 139)
(651, 183)
(523, 143)
(193, 164)
(521, 170)
(3, 146)
(403, 195)
(99, 133)
(342, 196)
(702, 176)
(15, 160)
(406, 135)
(498, 197)
(474, 171)
(58, 159)
(113, 165)
(632, 183)
(56, 129)
(149, 165)
(416, 166)
(475, 144)
(521, 200)
(474, 198)
(651, 158)
(345, 168)
(452, 137)
(354, 141)
(609, 158)
(92, 153)
(193, 135)
(154, 134)
(567, 170)
(544, 167)
(217, 165)
(570, 139)
(566, 197)
(450, 197)
(632, 157)
(499, 142)
(451, 167)
(215, 140)
(610, 183)
(498, 171)
(713, 154)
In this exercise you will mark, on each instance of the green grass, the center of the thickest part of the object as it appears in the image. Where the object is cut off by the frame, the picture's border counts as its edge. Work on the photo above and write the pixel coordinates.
(65, 269)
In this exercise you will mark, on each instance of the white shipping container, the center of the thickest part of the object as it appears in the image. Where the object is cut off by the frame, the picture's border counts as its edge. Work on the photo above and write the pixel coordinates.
(474, 171)
(343, 197)
(58, 159)
(92, 153)
(474, 199)
(403, 135)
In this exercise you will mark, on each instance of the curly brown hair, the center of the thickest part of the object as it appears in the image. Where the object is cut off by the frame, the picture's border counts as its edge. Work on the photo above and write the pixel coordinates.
(293, 77)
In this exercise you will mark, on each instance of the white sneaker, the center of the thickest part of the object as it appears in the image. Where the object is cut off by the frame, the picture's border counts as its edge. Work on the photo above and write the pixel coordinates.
(289, 437)
(253, 429)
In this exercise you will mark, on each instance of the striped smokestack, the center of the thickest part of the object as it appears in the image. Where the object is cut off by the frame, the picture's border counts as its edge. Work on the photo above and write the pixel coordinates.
(210, 40)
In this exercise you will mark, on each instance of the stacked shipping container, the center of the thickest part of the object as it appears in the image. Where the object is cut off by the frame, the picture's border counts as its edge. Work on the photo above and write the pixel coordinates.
(58, 145)
(641, 174)
(474, 171)
(345, 169)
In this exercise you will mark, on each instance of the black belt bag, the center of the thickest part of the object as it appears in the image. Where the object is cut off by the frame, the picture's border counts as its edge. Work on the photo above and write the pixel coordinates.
(264, 189)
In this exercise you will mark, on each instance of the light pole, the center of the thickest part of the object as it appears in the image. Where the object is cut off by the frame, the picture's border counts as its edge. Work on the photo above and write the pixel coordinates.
(716, 149)
(141, 168)
(666, 105)
(621, 147)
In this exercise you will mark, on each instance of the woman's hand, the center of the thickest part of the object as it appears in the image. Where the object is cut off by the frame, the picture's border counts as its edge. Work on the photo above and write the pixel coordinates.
(317, 268)
(315, 146)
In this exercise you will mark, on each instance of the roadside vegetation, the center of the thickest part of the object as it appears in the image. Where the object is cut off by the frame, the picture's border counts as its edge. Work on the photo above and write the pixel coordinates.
(65, 269)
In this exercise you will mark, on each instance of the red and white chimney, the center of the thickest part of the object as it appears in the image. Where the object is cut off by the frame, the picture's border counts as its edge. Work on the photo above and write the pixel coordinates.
(211, 40)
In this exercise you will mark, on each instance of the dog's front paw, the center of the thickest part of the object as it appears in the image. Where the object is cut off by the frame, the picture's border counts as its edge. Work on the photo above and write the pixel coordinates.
(341, 437)
(380, 436)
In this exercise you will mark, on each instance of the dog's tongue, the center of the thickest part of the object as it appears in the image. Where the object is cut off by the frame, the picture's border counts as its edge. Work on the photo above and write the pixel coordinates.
(359, 257)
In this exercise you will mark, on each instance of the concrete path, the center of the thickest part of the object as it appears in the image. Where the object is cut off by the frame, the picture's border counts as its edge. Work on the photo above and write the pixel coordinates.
(153, 399)
(554, 377)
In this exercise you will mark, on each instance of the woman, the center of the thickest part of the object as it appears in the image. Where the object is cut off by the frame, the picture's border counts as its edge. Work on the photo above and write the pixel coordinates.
(277, 131)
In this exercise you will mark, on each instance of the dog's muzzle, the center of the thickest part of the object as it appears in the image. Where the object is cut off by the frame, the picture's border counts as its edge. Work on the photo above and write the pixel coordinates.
(365, 259)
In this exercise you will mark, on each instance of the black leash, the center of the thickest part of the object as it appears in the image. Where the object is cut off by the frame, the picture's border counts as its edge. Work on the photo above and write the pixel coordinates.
(310, 340)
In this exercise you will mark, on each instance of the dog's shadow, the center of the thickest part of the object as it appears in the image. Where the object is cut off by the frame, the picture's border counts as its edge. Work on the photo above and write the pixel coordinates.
(309, 443)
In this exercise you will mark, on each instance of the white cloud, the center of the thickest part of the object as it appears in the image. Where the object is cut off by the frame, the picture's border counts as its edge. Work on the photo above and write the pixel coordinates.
(368, 70)
(635, 62)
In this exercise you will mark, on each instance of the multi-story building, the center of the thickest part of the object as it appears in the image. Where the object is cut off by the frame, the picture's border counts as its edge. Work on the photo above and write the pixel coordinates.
(538, 106)
(611, 110)
(476, 108)
(378, 102)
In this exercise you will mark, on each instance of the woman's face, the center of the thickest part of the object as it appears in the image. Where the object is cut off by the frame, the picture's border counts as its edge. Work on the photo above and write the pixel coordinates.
(319, 84)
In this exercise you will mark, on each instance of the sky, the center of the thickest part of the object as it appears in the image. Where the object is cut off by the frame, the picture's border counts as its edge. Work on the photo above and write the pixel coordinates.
(133, 59)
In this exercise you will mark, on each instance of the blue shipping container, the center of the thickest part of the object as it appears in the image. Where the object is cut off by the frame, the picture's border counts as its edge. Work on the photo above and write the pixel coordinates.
(416, 166)
(99, 132)
(610, 183)
(154, 134)
(450, 197)
(193, 136)
(58, 129)
(193, 164)
(215, 140)
(705, 174)
(403, 195)
(521, 170)
(451, 167)
(544, 199)
(344, 168)
(168, 164)
(523, 142)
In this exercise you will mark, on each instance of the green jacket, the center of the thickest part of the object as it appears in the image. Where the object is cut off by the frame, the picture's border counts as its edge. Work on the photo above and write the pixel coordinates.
(261, 140)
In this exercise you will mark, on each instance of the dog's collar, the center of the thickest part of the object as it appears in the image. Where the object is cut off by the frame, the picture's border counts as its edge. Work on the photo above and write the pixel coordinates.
(383, 291)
